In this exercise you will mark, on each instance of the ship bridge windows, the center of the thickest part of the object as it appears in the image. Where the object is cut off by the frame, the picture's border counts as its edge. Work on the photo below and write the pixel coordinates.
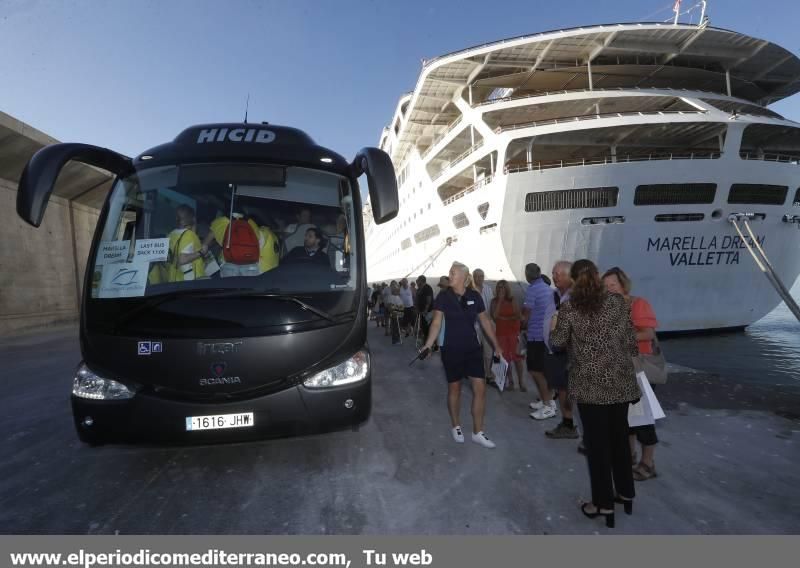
(771, 142)
(628, 143)
(562, 199)
(796, 199)
(757, 194)
(675, 194)
(583, 109)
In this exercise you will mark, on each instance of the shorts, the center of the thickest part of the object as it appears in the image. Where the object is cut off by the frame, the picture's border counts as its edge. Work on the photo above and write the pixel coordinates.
(555, 370)
(536, 353)
(460, 364)
(645, 435)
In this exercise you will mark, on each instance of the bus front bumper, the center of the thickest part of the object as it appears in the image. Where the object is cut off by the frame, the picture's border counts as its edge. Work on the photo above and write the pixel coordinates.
(293, 411)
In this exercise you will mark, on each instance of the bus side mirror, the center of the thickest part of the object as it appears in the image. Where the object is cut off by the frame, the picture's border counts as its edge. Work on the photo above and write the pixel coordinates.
(377, 165)
(41, 172)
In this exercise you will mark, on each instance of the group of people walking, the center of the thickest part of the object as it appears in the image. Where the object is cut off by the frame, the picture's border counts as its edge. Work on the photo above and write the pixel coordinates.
(579, 336)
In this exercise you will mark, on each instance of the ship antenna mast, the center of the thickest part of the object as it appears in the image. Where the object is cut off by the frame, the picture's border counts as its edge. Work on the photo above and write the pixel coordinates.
(703, 6)
(703, 22)
(246, 107)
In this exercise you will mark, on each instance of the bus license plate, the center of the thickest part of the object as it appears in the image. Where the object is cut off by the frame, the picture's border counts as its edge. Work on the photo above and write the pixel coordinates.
(219, 421)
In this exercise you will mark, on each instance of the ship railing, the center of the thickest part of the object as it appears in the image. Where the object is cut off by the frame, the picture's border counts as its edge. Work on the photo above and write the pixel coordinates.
(516, 167)
(460, 158)
(781, 158)
(582, 117)
(467, 190)
(441, 137)
(609, 89)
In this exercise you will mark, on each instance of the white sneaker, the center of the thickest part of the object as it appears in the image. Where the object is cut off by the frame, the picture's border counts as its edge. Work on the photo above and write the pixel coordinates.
(538, 405)
(481, 439)
(545, 412)
(458, 435)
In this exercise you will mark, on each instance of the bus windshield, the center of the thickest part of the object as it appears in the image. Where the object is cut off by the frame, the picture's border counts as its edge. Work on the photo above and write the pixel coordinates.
(224, 227)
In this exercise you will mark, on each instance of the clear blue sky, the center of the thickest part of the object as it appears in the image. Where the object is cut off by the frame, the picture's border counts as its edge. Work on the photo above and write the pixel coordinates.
(132, 74)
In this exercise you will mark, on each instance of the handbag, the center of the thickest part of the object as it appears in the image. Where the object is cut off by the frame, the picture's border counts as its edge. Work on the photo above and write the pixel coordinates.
(647, 409)
(654, 365)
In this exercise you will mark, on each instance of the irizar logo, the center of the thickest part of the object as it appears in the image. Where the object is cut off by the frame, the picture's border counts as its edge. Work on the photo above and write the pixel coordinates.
(259, 136)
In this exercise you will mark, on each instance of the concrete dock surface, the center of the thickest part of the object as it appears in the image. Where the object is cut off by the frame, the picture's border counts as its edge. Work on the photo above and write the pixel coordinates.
(727, 463)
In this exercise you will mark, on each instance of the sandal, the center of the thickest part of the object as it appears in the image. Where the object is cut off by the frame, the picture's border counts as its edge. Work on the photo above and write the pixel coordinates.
(643, 472)
(597, 513)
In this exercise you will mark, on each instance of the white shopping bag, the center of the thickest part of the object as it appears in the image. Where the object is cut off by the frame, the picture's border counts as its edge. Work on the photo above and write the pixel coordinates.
(499, 372)
(648, 409)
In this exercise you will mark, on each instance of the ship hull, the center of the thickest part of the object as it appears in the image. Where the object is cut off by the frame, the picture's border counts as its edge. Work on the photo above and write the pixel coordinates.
(698, 275)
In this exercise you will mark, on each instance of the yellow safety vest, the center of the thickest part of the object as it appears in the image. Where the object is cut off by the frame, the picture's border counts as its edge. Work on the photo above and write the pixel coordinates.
(175, 271)
(270, 253)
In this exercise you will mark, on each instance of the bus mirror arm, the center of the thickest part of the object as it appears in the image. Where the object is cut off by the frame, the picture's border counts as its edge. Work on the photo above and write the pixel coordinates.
(377, 165)
(41, 172)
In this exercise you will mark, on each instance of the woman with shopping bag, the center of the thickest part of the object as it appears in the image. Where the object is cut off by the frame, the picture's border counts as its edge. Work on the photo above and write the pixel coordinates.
(647, 360)
(597, 333)
(462, 356)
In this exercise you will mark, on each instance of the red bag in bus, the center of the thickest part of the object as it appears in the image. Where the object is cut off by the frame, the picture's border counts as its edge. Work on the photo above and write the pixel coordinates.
(240, 245)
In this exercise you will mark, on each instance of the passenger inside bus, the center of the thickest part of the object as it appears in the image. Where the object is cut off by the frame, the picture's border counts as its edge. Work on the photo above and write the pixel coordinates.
(296, 232)
(256, 233)
(311, 250)
(185, 261)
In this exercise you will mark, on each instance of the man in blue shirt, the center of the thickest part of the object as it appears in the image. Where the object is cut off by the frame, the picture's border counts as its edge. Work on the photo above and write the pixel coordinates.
(538, 302)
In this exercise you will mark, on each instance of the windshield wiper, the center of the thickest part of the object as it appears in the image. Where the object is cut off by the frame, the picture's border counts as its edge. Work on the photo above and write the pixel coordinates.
(286, 298)
(156, 300)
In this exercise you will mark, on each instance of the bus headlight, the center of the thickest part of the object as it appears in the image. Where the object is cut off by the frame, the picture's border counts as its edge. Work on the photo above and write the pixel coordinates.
(352, 370)
(88, 385)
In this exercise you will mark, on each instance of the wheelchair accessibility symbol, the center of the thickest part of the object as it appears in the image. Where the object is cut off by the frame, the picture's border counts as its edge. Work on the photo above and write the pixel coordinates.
(150, 347)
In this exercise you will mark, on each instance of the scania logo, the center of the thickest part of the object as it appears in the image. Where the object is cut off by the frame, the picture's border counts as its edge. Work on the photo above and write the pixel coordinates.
(218, 369)
(220, 381)
(259, 136)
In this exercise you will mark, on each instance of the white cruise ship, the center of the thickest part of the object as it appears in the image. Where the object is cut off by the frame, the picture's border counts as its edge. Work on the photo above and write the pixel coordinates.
(628, 144)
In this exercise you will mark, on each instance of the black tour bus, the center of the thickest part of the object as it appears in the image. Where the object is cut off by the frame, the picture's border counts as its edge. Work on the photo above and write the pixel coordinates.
(179, 341)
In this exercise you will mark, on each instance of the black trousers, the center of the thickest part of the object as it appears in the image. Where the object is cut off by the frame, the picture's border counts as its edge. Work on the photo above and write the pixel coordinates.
(424, 325)
(605, 435)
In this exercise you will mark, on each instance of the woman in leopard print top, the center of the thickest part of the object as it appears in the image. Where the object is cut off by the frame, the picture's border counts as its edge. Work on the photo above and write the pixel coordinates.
(595, 327)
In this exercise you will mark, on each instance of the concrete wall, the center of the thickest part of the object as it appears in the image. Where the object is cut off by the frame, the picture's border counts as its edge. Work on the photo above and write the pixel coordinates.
(41, 270)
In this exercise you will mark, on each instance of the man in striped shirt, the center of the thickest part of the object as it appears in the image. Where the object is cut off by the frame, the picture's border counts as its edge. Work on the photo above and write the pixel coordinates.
(539, 301)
